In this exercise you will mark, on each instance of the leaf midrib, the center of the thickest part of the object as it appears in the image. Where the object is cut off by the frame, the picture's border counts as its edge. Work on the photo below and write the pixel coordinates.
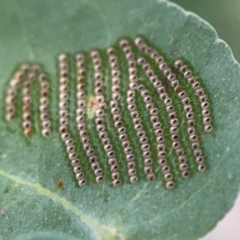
(97, 228)
(91, 222)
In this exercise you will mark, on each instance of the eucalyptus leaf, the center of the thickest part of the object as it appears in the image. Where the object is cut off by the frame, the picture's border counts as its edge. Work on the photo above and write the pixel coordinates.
(31, 169)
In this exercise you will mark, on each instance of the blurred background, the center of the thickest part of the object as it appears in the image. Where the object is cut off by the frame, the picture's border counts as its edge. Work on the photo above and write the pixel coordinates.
(224, 16)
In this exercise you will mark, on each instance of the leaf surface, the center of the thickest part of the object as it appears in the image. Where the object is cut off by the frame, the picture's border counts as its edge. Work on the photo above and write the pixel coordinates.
(30, 169)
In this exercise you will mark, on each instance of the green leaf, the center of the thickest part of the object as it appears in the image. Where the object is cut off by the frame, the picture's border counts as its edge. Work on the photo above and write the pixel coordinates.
(30, 169)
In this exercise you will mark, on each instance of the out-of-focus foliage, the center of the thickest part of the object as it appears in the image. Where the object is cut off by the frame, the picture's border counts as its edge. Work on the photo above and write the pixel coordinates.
(224, 15)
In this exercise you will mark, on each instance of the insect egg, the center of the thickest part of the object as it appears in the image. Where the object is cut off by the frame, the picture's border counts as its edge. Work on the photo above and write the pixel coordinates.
(114, 103)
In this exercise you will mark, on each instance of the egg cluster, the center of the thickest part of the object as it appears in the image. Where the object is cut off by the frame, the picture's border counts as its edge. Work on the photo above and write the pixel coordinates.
(25, 78)
(185, 100)
(139, 58)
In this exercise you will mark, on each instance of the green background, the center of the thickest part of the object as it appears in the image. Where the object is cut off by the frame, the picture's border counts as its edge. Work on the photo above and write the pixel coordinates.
(30, 169)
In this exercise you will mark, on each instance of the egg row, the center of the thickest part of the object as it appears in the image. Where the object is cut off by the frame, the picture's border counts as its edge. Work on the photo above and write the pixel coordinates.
(199, 91)
(80, 119)
(172, 115)
(131, 105)
(100, 121)
(183, 96)
(159, 132)
(64, 77)
(26, 75)
(118, 123)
